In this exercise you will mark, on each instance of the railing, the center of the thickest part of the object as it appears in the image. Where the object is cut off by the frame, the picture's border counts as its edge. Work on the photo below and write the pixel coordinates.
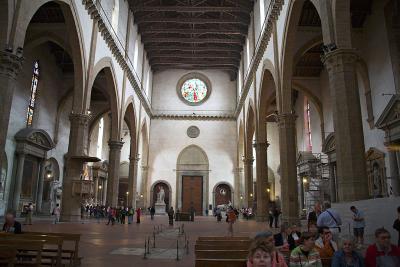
(82, 187)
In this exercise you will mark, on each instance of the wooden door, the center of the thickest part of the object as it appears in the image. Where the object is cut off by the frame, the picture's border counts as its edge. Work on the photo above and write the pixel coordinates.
(192, 194)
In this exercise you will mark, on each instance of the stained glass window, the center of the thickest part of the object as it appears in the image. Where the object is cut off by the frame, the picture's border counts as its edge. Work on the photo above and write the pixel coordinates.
(34, 84)
(194, 90)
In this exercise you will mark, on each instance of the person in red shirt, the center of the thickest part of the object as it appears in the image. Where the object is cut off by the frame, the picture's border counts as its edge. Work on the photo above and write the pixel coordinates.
(382, 253)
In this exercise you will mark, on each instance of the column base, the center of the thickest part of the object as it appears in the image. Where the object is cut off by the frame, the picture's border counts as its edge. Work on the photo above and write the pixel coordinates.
(70, 218)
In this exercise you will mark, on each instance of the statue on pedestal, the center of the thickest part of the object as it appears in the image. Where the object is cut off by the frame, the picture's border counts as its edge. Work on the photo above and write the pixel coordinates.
(161, 195)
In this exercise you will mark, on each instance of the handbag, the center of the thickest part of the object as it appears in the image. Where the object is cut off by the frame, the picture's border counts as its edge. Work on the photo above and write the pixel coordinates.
(333, 217)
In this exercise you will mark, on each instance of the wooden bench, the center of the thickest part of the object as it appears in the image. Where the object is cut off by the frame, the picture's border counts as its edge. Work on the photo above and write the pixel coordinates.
(27, 252)
(70, 254)
(52, 243)
(222, 251)
(181, 216)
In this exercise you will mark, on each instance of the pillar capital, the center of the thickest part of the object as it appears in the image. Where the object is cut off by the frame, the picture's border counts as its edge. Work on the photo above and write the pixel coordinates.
(115, 145)
(79, 119)
(261, 145)
(144, 168)
(10, 64)
(286, 120)
(339, 59)
(248, 161)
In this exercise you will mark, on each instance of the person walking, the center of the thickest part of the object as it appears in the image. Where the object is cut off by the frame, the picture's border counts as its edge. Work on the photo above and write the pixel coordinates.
(276, 213)
(396, 225)
(171, 213)
(131, 212)
(231, 220)
(152, 212)
(138, 211)
(56, 213)
(358, 225)
(29, 210)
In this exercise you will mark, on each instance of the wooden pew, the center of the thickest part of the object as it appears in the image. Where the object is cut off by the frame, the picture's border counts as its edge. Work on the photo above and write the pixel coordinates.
(54, 243)
(69, 254)
(8, 253)
(221, 251)
(28, 252)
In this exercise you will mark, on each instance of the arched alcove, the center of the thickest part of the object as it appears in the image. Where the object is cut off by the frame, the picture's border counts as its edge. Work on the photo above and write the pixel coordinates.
(222, 194)
(192, 171)
(168, 193)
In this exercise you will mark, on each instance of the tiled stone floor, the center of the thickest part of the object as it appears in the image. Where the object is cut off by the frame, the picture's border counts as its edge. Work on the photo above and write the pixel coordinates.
(119, 245)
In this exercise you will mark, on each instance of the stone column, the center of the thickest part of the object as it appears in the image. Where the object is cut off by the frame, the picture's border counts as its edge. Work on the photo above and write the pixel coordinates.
(394, 173)
(39, 195)
(145, 170)
(262, 181)
(113, 172)
(132, 180)
(352, 178)
(71, 202)
(104, 200)
(248, 177)
(10, 65)
(96, 189)
(287, 144)
(18, 180)
(236, 188)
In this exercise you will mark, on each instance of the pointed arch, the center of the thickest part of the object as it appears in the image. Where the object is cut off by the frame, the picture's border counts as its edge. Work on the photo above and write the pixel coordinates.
(110, 90)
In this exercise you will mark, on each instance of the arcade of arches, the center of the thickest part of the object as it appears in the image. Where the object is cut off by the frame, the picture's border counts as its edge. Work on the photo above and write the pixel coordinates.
(245, 102)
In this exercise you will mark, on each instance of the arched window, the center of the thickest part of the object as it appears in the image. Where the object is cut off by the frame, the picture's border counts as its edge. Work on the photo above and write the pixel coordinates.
(32, 100)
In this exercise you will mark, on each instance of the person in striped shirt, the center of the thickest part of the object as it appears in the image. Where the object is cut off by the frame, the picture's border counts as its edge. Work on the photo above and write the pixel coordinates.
(305, 255)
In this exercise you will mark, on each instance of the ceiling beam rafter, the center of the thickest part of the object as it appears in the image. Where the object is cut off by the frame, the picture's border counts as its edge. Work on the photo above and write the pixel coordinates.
(193, 40)
(188, 20)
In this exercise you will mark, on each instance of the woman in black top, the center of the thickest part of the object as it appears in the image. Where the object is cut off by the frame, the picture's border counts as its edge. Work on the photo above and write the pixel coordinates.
(11, 225)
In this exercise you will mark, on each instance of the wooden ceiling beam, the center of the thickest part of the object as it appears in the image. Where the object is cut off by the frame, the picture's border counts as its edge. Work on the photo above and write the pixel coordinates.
(236, 21)
(153, 47)
(225, 62)
(192, 40)
(192, 9)
(148, 30)
(178, 55)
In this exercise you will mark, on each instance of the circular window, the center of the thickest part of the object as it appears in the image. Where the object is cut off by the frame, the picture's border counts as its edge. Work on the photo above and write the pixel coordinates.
(194, 88)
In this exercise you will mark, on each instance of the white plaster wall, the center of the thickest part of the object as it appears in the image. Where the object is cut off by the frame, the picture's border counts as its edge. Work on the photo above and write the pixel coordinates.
(165, 97)
(168, 138)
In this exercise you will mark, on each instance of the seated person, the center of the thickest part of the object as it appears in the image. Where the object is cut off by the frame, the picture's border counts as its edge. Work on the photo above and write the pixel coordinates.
(284, 239)
(305, 255)
(325, 246)
(11, 225)
(346, 255)
(295, 234)
(312, 228)
(262, 252)
(382, 253)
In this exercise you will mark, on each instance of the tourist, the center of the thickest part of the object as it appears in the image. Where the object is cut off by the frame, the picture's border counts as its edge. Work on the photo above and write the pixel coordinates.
(305, 255)
(295, 235)
(231, 216)
(123, 215)
(276, 212)
(111, 216)
(396, 225)
(325, 246)
(218, 215)
(270, 216)
(10, 224)
(192, 212)
(138, 212)
(152, 212)
(131, 212)
(262, 253)
(312, 228)
(382, 253)
(346, 256)
(56, 213)
(29, 210)
(358, 224)
(171, 213)
(283, 240)
(313, 215)
(330, 218)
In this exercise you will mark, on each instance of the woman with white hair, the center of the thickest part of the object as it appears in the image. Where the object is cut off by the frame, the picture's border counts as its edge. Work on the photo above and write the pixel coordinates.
(346, 256)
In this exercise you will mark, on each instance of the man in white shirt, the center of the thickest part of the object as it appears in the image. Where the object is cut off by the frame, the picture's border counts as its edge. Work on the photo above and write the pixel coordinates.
(330, 218)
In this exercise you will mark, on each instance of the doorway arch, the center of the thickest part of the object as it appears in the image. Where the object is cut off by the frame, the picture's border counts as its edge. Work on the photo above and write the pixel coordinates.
(192, 171)
(168, 193)
(223, 194)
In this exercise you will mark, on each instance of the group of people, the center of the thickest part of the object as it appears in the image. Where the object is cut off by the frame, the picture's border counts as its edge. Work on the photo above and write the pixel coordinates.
(119, 215)
(317, 250)
(321, 246)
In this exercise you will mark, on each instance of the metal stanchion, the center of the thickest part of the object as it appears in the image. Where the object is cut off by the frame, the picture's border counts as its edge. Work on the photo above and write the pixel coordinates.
(187, 247)
(145, 250)
(148, 245)
(154, 240)
(177, 250)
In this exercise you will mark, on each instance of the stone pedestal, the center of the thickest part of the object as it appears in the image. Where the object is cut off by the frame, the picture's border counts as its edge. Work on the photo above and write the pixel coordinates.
(160, 208)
